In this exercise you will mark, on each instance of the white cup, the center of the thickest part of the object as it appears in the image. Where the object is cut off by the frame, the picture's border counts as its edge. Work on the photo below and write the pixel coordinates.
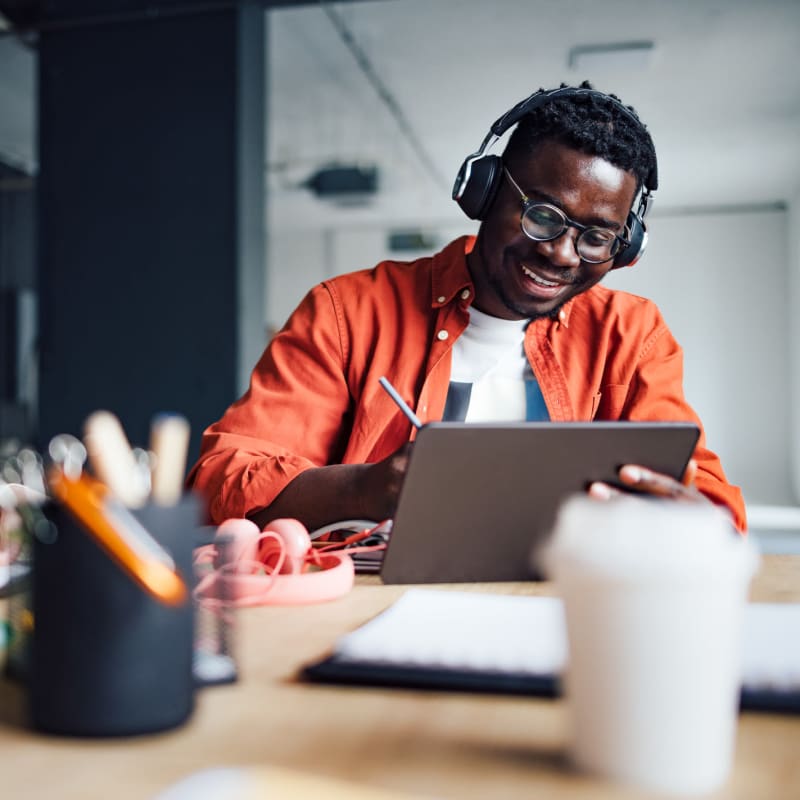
(654, 594)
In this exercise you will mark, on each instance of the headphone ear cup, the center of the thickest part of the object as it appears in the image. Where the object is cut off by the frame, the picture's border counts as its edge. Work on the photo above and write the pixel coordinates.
(241, 536)
(294, 542)
(636, 234)
(481, 188)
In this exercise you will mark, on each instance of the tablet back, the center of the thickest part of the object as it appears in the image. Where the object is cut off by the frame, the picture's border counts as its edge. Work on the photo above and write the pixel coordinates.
(477, 497)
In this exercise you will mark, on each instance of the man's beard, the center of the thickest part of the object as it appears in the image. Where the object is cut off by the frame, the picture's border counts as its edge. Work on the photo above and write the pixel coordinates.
(497, 285)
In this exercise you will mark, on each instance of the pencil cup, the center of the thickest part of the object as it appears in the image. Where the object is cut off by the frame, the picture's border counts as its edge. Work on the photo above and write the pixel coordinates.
(108, 658)
(654, 596)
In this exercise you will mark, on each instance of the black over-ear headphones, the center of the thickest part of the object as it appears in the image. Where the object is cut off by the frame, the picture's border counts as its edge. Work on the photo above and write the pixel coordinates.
(480, 175)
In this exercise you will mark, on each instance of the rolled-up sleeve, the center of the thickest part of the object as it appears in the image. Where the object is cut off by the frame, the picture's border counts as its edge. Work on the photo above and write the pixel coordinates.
(289, 420)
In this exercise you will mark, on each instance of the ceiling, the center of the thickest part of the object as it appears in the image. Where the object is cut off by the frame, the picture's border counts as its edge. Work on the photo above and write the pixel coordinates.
(721, 95)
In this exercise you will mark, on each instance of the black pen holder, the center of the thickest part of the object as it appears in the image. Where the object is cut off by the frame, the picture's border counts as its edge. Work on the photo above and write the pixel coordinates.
(107, 658)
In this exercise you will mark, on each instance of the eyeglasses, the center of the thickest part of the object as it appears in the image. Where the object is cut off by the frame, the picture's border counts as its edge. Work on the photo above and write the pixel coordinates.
(543, 222)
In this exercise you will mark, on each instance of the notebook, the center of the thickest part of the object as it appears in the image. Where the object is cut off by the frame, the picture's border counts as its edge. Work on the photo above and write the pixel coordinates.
(470, 641)
(478, 497)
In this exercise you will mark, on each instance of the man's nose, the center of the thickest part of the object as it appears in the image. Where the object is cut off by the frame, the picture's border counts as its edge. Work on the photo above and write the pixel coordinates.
(561, 251)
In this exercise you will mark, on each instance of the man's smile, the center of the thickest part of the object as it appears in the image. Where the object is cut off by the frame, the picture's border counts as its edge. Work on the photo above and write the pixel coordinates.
(539, 277)
(543, 284)
(531, 274)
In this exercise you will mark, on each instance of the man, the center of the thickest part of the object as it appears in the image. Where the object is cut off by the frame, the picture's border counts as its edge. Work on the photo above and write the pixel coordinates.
(511, 325)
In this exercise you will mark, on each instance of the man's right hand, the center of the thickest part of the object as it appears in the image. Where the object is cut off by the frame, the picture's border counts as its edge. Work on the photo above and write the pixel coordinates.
(340, 492)
(381, 484)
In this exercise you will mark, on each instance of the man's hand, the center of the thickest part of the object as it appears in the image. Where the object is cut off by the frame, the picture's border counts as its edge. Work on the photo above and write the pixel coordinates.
(654, 483)
(380, 484)
(338, 492)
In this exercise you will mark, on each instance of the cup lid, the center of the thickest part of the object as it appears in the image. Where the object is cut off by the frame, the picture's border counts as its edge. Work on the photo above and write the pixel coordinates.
(635, 538)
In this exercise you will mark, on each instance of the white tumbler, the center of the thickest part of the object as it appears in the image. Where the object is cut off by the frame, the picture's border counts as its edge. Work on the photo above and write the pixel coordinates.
(654, 594)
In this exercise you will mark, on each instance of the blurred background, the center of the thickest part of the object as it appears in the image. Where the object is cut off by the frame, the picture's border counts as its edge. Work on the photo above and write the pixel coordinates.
(174, 176)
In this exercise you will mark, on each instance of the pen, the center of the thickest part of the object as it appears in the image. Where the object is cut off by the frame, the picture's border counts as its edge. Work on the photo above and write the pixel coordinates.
(112, 458)
(402, 405)
(169, 441)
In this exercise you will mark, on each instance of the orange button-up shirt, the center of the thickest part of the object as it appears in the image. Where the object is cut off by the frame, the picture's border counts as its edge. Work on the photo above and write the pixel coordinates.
(314, 397)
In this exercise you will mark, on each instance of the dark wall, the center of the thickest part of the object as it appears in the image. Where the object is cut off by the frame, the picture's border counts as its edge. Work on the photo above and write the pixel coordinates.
(141, 187)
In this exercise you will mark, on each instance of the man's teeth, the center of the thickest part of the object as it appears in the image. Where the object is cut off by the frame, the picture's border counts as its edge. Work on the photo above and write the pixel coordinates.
(531, 274)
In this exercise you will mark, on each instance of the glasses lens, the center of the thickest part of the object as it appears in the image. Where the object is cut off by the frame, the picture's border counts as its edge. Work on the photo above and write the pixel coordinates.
(543, 222)
(597, 245)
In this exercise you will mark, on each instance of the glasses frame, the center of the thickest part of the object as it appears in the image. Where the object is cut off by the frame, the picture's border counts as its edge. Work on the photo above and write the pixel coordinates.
(567, 223)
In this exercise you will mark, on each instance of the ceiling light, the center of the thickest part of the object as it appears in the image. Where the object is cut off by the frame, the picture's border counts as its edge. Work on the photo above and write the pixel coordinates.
(591, 58)
(344, 184)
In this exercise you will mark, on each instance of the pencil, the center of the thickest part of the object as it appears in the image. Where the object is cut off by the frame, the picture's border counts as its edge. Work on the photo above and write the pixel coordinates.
(169, 440)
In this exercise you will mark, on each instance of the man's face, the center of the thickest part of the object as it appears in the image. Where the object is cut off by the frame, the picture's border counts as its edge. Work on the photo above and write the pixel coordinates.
(518, 278)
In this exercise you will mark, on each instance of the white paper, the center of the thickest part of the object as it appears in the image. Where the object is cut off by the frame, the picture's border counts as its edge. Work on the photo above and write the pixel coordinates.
(464, 630)
(526, 635)
(771, 657)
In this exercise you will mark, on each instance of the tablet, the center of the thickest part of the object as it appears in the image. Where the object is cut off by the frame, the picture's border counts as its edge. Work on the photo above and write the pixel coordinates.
(478, 497)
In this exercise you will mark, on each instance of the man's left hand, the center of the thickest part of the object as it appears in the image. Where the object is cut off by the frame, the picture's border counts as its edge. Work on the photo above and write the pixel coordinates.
(654, 483)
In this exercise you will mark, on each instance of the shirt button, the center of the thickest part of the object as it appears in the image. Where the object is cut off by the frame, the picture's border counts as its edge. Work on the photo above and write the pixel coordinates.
(465, 294)
(441, 298)
(442, 335)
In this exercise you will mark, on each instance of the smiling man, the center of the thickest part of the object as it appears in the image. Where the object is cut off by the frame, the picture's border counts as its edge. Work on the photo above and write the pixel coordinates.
(510, 325)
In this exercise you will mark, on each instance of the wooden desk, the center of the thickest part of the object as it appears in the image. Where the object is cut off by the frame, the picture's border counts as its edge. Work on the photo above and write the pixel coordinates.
(433, 744)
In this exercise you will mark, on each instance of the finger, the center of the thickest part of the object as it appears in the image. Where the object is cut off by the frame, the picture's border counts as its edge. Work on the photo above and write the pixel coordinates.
(399, 462)
(646, 480)
(602, 491)
(690, 473)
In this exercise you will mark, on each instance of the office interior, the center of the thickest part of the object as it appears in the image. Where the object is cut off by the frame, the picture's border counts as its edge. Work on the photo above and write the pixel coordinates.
(175, 175)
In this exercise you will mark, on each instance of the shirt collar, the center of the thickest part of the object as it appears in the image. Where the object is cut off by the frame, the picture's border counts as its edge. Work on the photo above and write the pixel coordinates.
(450, 274)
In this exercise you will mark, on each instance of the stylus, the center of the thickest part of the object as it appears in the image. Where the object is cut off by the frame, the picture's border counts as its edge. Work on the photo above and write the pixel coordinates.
(403, 406)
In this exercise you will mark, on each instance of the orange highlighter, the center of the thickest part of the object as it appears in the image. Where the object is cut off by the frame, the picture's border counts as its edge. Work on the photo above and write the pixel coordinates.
(120, 534)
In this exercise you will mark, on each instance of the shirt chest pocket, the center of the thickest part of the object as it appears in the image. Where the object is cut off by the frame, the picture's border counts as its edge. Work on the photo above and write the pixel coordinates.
(608, 403)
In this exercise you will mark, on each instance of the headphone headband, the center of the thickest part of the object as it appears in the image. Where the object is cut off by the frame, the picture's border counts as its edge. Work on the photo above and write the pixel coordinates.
(544, 96)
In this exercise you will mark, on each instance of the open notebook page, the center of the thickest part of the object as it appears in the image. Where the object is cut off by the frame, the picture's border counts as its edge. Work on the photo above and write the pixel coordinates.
(523, 635)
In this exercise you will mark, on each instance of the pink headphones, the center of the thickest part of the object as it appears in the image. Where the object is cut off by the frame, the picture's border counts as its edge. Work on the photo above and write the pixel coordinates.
(276, 566)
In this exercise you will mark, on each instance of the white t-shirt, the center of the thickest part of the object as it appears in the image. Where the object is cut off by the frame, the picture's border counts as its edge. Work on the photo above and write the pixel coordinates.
(490, 378)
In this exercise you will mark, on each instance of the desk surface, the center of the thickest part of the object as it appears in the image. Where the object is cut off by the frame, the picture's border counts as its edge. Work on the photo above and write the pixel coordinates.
(426, 743)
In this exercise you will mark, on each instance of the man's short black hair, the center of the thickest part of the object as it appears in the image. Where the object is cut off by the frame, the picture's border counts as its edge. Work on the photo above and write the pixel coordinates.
(591, 124)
